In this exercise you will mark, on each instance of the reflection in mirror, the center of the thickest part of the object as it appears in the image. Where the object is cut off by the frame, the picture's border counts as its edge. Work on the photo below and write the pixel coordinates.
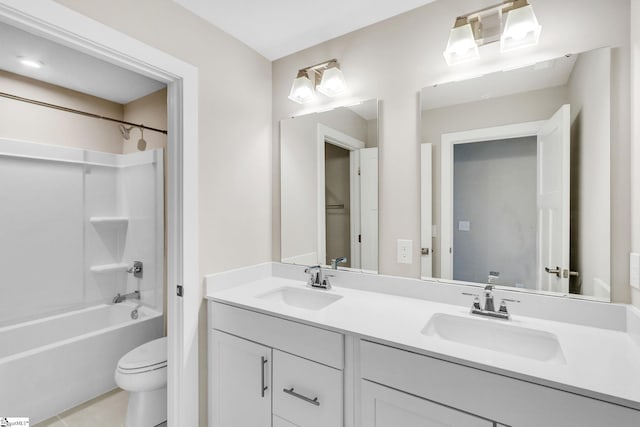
(521, 177)
(329, 187)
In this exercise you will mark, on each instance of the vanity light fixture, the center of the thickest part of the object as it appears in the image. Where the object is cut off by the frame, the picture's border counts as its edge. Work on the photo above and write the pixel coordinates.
(521, 28)
(462, 44)
(326, 77)
(512, 22)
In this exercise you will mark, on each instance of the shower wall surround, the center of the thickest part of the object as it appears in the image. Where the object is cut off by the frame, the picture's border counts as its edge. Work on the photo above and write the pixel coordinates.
(72, 221)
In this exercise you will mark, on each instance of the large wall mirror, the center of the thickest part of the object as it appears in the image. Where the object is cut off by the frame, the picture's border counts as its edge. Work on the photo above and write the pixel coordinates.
(519, 165)
(329, 187)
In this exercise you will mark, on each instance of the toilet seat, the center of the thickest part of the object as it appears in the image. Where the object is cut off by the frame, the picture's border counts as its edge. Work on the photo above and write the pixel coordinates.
(148, 357)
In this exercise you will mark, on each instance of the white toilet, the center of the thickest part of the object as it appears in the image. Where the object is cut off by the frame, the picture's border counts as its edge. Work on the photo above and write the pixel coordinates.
(143, 373)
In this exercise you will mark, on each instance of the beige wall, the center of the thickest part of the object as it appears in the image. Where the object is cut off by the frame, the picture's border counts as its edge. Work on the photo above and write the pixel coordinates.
(589, 91)
(33, 123)
(394, 59)
(150, 110)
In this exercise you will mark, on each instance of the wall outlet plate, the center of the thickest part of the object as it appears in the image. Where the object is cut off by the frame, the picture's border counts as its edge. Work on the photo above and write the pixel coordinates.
(634, 270)
(405, 251)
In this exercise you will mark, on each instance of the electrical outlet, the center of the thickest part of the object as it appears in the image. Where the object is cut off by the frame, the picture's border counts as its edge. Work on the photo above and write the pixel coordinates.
(634, 270)
(405, 250)
(464, 226)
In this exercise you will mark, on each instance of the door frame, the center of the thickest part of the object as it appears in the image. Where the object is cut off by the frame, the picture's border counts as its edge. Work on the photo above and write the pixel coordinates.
(57, 23)
(426, 210)
(342, 140)
(448, 140)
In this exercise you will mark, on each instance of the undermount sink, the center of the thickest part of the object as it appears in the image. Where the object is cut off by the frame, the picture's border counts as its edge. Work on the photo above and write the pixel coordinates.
(309, 299)
(496, 335)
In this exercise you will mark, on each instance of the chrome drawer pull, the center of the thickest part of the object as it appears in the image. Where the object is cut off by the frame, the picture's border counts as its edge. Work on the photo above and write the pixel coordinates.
(263, 387)
(290, 391)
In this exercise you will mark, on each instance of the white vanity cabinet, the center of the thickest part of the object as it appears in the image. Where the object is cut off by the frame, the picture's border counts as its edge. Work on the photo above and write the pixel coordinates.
(386, 407)
(412, 384)
(266, 371)
(240, 394)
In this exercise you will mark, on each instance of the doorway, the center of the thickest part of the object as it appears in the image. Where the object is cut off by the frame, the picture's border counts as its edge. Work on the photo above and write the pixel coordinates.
(59, 24)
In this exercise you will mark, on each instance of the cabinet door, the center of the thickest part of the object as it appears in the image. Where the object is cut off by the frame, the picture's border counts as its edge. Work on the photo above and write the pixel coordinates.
(240, 375)
(386, 407)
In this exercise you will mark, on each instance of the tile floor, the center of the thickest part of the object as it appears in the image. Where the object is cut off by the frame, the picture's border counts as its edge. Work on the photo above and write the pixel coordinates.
(108, 410)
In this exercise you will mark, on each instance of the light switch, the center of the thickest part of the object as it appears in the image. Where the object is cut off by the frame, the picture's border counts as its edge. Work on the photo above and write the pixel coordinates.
(464, 226)
(405, 250)
(634, 270)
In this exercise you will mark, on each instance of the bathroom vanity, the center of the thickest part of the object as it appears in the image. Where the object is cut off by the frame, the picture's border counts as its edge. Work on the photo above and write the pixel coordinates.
(385, 351)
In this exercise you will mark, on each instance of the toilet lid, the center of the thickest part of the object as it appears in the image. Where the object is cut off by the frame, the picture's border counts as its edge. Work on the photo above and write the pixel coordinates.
(148, 356)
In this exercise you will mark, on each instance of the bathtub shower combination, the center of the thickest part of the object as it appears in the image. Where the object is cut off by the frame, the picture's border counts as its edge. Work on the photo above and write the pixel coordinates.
(73, 224)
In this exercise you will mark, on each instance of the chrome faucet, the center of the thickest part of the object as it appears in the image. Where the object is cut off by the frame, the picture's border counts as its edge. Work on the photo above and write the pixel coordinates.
(336, 261)
(119, 298)
(488, 298)
(489, 307)
(316, 278)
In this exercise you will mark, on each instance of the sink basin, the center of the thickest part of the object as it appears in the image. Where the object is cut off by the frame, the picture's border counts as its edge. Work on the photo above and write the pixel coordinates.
(309, 299)
(496, 335)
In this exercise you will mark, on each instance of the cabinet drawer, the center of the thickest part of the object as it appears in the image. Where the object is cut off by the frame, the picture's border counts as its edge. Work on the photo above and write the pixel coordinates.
(488, 395)
(307, 341)
(306, 393)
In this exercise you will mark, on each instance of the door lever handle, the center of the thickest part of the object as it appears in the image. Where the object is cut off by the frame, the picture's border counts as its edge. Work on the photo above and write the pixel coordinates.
(557, 271)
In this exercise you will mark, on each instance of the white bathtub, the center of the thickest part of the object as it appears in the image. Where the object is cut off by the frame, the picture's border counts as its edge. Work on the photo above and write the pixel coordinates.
(53, 364)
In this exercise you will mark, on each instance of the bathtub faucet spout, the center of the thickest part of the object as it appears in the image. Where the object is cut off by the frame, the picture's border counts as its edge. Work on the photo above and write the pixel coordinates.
(119, 298)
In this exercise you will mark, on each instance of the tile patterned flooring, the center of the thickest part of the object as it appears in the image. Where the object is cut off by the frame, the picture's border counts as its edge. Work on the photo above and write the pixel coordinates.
(108, 410)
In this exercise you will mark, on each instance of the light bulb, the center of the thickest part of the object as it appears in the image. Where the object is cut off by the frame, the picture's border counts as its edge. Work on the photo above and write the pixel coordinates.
(333, 82)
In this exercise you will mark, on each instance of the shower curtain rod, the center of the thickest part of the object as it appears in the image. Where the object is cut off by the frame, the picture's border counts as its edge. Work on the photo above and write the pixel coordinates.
(82, 113)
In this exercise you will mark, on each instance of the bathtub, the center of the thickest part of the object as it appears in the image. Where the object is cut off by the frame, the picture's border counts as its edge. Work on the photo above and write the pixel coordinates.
(52, 364)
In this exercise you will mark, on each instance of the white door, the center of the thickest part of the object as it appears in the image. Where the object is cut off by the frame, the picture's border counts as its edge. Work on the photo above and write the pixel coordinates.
(240, 375)
(426, 223)
(369, 208)
(553, 202)
(386, 407)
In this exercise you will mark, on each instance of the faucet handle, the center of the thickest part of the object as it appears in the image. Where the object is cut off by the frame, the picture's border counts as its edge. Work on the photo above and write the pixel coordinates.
(476, 300)
(503, 304)
(311, 267)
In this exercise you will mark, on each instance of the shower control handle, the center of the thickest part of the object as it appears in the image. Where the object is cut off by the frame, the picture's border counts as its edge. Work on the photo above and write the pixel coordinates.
(136, 269)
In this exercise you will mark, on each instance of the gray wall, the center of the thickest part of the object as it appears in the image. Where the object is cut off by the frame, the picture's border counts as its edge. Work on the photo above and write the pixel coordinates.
(495, 190)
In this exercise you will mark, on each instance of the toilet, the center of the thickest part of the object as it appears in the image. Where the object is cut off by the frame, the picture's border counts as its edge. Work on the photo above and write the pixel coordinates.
(143, 373)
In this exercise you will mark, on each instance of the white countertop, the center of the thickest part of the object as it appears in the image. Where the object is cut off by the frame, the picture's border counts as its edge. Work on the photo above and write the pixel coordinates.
(599, 363)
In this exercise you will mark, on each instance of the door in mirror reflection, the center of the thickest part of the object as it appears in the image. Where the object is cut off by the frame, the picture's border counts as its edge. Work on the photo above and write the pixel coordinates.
(510, 205)
(329, 187)
(521, 176)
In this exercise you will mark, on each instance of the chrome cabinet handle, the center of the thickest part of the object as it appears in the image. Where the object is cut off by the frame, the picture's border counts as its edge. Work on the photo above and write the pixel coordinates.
(263, 387)
(290, 392)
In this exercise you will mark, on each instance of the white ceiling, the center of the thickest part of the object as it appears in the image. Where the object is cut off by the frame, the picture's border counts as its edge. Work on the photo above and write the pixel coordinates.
(71, 69)
(277, 28)
(552, 73)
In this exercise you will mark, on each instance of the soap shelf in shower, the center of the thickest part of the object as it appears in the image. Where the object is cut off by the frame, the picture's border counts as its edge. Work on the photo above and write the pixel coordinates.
(108, 268)
(109, 220)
